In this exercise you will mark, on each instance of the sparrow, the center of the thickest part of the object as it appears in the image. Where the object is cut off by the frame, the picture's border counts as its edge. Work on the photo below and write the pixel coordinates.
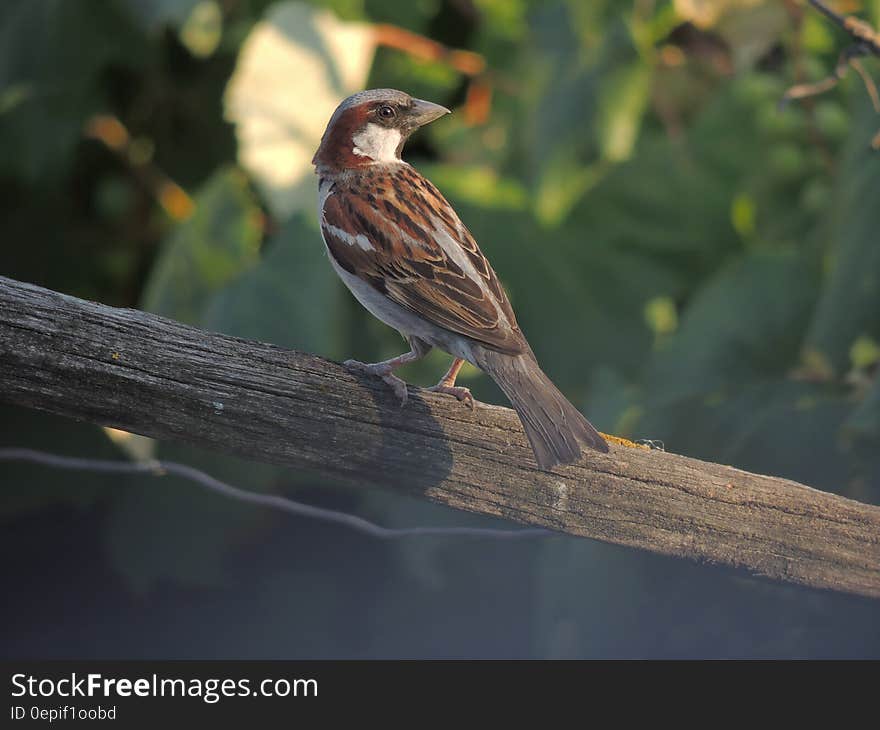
(405, 255)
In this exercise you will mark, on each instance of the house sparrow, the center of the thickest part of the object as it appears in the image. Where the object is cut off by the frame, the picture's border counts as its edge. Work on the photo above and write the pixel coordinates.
(400, 248)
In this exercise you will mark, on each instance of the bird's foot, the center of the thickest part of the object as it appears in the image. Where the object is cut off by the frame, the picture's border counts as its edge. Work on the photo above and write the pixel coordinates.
(463, 394)
(382, 370)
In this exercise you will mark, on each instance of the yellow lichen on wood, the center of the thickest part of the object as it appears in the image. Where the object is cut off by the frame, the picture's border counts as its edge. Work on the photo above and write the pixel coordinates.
(620, 441)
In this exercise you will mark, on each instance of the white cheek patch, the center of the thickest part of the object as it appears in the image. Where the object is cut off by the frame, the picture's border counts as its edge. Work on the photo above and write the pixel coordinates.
(360, 240)
(378, 143)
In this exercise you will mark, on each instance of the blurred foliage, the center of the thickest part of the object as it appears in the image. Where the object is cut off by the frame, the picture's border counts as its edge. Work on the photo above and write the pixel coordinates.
(691, 263)
(208, 251)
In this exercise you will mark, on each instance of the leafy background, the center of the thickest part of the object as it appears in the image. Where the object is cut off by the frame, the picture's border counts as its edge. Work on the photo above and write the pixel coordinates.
(691, 263)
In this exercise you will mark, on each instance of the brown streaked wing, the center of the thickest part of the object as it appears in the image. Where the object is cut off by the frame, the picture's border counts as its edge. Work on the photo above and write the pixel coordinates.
(405, 262)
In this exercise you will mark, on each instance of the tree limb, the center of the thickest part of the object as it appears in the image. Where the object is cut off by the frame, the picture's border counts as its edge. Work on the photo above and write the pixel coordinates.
(860, 30)
(156, 377)
(866, 42)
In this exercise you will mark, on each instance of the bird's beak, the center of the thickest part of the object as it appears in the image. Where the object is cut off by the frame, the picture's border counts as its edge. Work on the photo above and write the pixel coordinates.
(424, 112)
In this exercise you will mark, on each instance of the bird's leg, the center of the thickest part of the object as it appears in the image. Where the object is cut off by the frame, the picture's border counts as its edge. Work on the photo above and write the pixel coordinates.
(386, 368)
(447, 384)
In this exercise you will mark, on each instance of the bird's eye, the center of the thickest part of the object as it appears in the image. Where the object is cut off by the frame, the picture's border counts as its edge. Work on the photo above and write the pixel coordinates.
(386, 112)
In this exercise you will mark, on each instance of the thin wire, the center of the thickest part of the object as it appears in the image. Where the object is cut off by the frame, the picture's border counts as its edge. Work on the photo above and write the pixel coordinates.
(273, 501)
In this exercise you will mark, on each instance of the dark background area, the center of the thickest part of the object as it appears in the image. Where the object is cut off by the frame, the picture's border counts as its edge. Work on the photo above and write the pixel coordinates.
(690, 262)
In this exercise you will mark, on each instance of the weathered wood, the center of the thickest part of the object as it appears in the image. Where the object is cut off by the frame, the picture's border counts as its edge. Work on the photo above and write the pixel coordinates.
(153, 376)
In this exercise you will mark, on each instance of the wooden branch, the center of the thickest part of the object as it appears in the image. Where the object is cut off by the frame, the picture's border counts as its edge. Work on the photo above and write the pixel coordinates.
(866, 42)
(860, 30)
(156, 377)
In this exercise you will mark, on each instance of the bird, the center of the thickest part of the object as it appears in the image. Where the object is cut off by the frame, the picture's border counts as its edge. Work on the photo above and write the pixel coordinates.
(402, 251)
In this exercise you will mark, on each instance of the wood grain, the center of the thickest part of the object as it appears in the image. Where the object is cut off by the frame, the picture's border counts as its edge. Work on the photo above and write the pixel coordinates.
(153, 376)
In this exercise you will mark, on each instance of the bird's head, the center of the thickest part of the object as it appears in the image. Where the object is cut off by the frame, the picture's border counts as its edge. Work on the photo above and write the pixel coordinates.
(370, 127)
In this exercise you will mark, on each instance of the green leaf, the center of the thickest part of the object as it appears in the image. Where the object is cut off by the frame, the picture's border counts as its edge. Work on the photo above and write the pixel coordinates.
(624, 100)
(52, 53)
(752, 29)
(745, 324)
(850, 303)
(865, 419)
(629, 209)
(563, 81)
(478, 185)
(293, 298)
(207, 251)
(772, 426)
(614, 405)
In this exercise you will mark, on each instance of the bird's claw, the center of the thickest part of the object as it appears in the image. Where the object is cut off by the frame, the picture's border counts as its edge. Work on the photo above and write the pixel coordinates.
(398, 386)
(463, 394)
(381, 370)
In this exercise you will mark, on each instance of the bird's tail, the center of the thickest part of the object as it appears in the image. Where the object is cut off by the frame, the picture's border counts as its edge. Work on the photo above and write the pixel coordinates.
(555, 428)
